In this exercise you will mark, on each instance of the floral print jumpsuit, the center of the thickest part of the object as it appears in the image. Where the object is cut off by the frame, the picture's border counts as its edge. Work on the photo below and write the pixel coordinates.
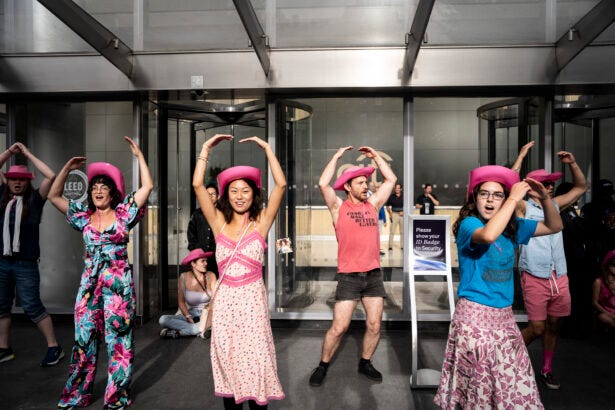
(105, 306)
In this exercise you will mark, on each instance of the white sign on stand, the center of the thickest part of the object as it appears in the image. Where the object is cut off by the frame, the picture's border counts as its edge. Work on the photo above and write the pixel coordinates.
(429, 255)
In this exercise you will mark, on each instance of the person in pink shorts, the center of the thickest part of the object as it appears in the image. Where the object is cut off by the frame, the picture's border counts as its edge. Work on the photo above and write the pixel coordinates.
(542, 264)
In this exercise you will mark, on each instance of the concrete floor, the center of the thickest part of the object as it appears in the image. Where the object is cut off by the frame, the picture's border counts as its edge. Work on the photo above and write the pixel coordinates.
(176, 374)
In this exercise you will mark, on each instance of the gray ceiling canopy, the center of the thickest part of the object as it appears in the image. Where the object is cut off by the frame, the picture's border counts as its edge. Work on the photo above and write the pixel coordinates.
(98, 36)
(304, 44)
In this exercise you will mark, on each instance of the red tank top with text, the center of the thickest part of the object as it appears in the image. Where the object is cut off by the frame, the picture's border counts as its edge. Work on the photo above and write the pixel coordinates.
(358, 238)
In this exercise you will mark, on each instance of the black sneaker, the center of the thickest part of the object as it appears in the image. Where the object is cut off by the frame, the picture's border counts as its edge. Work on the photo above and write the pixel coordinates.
(550, 381)
(318, 376)
(53, 356)
(6, 354)
(370, 371)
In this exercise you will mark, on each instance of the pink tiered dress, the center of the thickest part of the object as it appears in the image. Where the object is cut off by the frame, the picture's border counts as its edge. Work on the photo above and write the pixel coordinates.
(242, 351)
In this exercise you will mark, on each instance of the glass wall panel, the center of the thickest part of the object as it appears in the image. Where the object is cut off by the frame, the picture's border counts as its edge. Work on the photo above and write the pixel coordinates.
(3, 141)
(503, 22)
(189, 25)
(150, 226)
(607, 149)
(28, 27)
(338, 23)
(446, 145)
(335, 123)
(179, 191)
(578, 140)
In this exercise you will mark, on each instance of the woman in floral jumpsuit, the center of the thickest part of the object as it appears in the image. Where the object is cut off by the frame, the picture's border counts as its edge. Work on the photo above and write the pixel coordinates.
(106, 301)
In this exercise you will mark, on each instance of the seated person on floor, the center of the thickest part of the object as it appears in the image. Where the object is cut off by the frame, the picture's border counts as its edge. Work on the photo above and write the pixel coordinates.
(604, 292)
(194, 292)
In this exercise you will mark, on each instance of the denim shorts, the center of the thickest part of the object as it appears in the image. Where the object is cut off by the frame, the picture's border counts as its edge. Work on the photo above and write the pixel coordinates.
(23, 276)
(354, 286)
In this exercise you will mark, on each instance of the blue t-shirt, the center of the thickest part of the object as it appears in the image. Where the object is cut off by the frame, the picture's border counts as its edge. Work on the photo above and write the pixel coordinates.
(487, 269)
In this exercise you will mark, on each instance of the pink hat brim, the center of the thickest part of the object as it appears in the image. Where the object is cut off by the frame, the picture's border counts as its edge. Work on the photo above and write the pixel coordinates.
(492, 173)
(541, 175)
(196, 254)
(351, 173)
(239, 172)
(19, 171)
(25, 175)
(104, 168)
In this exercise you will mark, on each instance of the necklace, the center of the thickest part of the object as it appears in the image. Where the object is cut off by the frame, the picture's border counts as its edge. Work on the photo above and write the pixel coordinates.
(102, 214)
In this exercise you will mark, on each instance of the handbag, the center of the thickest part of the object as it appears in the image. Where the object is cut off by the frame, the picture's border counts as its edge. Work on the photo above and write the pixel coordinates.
(205, 314)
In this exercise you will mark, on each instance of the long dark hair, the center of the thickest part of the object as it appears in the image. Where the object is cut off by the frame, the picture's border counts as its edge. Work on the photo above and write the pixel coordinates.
(116, 196)
(6, 197)
(255, 208)
(469, 209)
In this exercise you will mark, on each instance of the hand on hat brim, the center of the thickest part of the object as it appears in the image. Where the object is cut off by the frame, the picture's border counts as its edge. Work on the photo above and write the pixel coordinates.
(537, 189)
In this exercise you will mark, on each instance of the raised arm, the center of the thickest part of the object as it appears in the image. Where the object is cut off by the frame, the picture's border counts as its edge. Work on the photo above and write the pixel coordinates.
(47, 173)
(214, 217)
(497, 224)
(147, 183)
(553, 221)
(277, 193)
(5, 155)
(522, 154)
(57, 187)
(383, 194)
(578, 180)
(324, 183)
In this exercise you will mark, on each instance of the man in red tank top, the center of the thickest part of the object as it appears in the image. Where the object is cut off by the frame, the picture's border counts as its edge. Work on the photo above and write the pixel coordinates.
(358, 272)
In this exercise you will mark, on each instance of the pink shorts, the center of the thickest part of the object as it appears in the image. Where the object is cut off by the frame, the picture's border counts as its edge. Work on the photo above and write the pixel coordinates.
(545, 297)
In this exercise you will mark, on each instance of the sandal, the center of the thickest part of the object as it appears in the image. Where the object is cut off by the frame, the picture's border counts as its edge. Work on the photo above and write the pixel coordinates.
(170, 333)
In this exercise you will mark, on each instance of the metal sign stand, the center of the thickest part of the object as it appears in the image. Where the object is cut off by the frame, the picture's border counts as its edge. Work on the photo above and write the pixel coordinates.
(427, 241)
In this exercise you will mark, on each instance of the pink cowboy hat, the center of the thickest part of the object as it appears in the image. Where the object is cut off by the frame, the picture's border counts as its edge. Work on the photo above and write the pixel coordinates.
(239, 172)
(351, 173)
(196, 254)
(607, 258)
(104, 168)
(19, 171)
(494, 173)
(541, 175)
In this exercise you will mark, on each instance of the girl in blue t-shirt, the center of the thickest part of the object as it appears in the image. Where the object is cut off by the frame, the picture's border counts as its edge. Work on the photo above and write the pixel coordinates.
(486, 364)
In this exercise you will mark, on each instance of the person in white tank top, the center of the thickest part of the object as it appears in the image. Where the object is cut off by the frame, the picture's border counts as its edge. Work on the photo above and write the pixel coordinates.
(194, 291)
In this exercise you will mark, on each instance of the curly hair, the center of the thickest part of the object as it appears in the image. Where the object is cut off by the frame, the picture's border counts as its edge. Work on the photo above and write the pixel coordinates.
(469, 209)
(116, 196)
(255, 208)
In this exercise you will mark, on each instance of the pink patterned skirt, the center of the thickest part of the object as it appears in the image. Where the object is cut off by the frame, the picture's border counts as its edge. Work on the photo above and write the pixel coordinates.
(486, 364)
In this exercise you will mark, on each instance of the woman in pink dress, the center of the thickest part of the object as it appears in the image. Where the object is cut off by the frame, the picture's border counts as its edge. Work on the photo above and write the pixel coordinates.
(242, 350)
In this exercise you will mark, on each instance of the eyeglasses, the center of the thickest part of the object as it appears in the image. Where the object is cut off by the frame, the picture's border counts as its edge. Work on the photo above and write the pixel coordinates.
(212, 193)
(497, 196)
(548, 183)
(100, 188)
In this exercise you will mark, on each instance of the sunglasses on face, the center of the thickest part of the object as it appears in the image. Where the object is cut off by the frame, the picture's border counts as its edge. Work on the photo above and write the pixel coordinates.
(548, 183)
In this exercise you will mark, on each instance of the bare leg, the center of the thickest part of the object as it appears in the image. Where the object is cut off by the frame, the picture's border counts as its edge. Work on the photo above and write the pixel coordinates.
(342, 315)
(549, 340)
(46, 328)
(373, 308)
(5, 330)
(534, 329)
